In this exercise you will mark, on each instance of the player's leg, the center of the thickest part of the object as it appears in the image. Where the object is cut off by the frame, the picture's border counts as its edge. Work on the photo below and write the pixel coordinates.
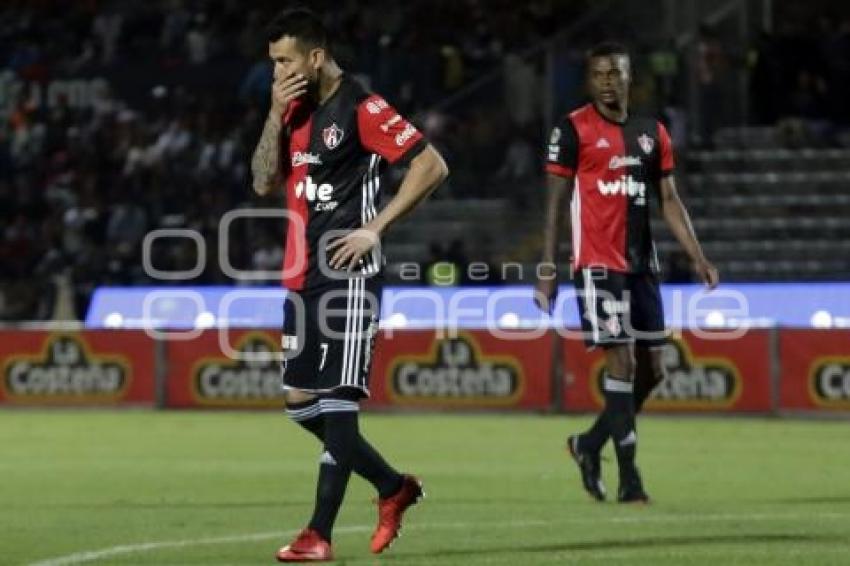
(619, 364)
(647, 318)
(618, 391)
(649, 372)
(326, 355)
(599, 292)
(301, 357)
(303, 409)
(349, 364)
(396, 492)
(618, 417)
(301, 383)
(339, 410)
(367, 462)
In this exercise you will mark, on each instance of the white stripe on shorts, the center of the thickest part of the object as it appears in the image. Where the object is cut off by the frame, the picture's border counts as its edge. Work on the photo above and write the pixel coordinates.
(338, 406)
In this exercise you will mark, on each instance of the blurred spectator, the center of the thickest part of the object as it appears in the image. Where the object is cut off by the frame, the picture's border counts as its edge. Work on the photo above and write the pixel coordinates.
(120, 117)
(107, 31)
(712, 69)
(197, 40)
(522, 89)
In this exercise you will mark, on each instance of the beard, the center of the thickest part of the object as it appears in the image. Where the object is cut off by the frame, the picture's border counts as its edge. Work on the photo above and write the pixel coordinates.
(312, 89)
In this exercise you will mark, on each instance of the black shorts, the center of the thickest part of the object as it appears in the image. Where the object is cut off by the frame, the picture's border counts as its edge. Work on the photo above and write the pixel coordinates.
(329, 336)
(620, 308)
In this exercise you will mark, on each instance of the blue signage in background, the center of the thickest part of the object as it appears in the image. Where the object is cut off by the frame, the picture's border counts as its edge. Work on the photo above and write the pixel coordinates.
(804, 305)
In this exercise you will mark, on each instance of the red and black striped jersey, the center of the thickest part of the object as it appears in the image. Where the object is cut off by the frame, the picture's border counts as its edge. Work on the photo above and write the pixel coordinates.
(334, 155)
(616, 167)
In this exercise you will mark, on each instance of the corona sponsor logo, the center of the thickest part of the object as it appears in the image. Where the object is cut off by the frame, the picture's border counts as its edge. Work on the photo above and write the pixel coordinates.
(693, 382)
(455, 371)
(251, 381)
(66, 370)
(829, 382)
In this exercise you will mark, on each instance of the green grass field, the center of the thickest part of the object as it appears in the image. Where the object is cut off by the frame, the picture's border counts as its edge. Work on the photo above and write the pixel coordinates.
(143, 487)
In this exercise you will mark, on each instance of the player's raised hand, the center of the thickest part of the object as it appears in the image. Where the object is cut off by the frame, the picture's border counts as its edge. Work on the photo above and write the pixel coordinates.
(707, 273)
(286, 89)
(348, 250)
(545, 293)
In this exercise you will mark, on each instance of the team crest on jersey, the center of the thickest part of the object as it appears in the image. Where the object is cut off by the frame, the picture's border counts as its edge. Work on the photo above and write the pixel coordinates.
(332, 136)
(646, 143)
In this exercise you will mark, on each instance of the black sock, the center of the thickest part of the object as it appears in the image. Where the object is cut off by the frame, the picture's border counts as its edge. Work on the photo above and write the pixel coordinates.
(335, 469)
(367, 462)
(596, 436)
(646, 378)
(619, 405)
(371, 466)
(644, 384)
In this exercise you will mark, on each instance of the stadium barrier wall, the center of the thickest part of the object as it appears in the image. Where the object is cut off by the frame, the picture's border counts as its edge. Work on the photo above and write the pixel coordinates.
(233, 369)
(472, 370)
(77, 368)
(815, 370)
(704, 375)
(764, 371)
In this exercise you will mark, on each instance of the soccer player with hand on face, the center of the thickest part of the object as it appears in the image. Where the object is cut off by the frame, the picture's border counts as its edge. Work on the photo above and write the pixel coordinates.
(328, 141)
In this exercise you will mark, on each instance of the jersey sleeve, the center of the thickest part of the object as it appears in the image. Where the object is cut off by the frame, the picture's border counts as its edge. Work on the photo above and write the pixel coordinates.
(665, 146)
(562, 151)
(385, 132)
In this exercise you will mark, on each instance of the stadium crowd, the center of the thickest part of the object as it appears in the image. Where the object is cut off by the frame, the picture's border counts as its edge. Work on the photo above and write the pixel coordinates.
(81, 185)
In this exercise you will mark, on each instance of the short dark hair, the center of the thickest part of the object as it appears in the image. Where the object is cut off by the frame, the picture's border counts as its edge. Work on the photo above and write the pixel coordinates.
(301, 23)
(606, 49)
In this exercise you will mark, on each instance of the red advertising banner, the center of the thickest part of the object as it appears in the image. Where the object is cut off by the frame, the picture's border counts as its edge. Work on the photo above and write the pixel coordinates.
(232, 369)
(703, 375)
(472, 370)
(815, 369)
(79, 368)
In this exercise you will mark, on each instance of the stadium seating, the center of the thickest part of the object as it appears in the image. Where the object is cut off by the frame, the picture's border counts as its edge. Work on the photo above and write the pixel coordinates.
(769, 212)
(763, 212)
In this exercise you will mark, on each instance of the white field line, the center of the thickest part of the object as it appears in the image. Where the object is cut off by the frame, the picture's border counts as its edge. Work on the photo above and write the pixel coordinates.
(109, 552)
(112, 551)
(685, 555)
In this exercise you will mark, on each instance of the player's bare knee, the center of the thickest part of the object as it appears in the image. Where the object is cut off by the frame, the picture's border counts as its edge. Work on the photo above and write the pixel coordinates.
(659, 370)
(294, 396)
(620, 361)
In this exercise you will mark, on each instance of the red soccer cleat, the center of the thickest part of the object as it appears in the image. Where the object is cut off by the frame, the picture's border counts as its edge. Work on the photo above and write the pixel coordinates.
(390, 511)
(308, 546)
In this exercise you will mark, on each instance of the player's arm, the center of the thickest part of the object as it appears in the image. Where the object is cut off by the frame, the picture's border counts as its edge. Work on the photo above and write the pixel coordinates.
(265, 163)
(384, 132)
(561, 164)
(677, 218)
(427, 171)
(675, 214)
(557, 188)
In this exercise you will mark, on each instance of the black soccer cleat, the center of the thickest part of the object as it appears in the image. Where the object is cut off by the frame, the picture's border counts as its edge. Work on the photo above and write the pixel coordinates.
(589, 468)
(631, 489)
